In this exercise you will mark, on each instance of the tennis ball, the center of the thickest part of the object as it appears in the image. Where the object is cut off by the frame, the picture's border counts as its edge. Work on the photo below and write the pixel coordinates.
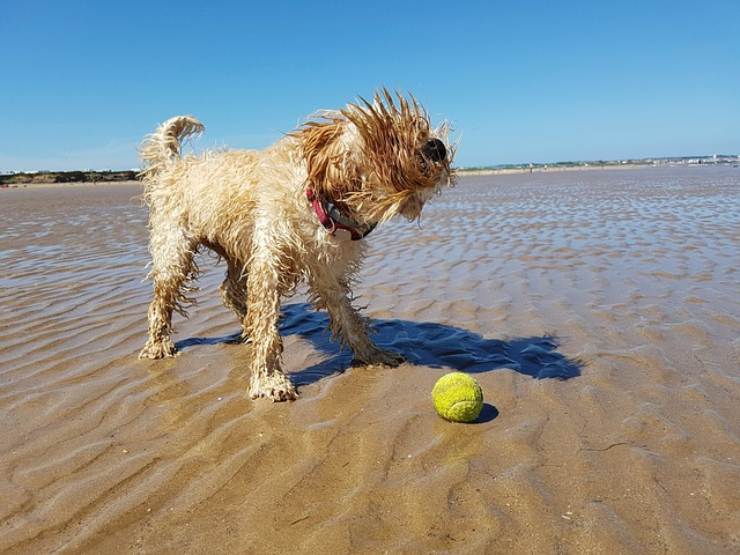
(457, 397)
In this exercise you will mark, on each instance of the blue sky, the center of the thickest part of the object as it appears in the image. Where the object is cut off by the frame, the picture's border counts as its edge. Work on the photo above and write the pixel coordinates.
(82, 82)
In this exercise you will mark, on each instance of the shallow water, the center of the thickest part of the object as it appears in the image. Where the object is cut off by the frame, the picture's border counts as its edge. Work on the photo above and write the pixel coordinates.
(598, 309)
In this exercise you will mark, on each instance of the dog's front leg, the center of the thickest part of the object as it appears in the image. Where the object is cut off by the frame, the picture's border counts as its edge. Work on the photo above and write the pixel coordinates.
(261, 325)
(350, 327)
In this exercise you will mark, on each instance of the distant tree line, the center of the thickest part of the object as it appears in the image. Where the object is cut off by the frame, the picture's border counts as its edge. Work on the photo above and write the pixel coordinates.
(68, 177)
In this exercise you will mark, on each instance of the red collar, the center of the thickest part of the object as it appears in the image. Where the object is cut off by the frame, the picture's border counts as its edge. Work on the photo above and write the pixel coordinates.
(332, 219)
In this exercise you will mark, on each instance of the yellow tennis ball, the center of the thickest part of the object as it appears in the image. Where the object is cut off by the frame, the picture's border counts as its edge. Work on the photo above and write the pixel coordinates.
(457, 397)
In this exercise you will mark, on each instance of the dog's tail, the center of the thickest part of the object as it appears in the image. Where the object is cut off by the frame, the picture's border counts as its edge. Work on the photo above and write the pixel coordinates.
(163, 146)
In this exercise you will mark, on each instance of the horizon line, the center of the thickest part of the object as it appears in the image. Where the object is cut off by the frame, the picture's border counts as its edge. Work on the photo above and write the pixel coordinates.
(503, 165)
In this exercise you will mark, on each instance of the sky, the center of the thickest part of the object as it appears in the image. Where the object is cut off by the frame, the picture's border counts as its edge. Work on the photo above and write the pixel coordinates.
(81, 82)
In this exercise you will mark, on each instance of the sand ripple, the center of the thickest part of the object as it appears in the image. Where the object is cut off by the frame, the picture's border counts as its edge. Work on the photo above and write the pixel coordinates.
(598, 310)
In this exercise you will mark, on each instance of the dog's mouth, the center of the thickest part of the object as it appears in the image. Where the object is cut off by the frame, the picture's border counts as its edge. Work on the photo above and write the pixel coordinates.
(411, 209)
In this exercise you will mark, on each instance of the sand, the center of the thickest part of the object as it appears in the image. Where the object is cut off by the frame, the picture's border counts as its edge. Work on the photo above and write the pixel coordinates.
(598, 310)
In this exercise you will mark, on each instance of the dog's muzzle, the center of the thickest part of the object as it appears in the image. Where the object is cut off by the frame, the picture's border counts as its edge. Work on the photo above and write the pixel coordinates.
(434, 150)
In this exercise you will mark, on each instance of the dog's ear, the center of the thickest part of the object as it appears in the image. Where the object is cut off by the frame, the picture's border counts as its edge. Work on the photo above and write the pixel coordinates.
(330, 172)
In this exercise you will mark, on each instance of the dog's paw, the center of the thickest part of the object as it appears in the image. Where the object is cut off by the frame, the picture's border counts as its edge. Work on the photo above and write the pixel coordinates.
(276, 387)
(158, 349)
(381, 357)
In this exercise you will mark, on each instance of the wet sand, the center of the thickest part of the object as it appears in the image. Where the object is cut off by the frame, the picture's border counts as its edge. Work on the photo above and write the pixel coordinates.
(598, 310)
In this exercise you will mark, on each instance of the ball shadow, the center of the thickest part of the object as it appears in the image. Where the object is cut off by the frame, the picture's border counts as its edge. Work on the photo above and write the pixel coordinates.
(488, 414)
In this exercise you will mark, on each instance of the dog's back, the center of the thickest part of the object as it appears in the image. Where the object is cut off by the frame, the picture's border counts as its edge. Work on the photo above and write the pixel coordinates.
(209, 195)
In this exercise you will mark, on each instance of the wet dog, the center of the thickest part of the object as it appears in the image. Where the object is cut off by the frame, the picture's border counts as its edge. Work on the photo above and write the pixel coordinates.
(296, 211)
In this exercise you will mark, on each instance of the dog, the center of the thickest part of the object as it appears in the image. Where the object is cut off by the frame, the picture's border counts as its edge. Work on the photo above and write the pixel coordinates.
(294, 212)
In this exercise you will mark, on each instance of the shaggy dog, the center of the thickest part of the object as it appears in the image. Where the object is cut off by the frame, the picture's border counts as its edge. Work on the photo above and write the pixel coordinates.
(295, 211)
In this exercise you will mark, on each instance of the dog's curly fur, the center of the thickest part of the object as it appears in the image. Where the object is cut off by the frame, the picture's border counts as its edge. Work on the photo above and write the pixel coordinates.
(250, 207)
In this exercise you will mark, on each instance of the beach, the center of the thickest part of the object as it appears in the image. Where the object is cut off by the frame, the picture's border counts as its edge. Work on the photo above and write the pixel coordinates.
(599, 310)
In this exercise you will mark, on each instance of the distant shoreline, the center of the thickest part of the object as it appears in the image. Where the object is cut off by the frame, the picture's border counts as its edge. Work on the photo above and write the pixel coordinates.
(77, 178)
(66, 177)
(556, 169)
(703, 162)
(105, 176)
(553, 169)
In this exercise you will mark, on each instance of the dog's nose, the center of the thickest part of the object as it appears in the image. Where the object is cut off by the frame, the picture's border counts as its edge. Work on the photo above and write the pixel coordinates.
(434, 150)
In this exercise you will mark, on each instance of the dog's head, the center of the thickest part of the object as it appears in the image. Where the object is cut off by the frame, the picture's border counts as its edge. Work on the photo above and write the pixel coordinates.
(377, 159)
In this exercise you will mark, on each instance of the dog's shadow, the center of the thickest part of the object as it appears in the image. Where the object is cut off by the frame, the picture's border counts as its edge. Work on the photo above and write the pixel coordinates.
(423, 343)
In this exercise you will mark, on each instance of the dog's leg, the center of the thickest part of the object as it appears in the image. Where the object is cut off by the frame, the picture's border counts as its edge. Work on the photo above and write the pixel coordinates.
(261, 325)
(349, 326)
(234, 290)
(172, 264)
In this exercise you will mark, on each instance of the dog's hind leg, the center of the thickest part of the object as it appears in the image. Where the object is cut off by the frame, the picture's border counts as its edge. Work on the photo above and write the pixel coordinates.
(234, 290)
(172, 265)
